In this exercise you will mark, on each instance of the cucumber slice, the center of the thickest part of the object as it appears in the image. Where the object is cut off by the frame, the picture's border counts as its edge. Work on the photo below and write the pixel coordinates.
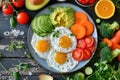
(88, 70)
(98, 20)
(79, 76)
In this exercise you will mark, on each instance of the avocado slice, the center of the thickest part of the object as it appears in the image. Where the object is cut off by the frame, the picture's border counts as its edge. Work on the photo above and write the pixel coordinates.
(34, 7)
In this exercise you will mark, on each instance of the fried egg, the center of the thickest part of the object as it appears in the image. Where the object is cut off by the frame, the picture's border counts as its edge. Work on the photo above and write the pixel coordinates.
(41, 45)
(60, 61)
(63, 40)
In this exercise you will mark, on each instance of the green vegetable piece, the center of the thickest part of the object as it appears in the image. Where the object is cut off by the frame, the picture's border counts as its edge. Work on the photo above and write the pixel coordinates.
(115, 53)
(106, 54)
(26, 66)
(98, 20)
(79, 76)
(102, 45)
(13, 22)
(88, 70)
(15, 75)
(107, 30)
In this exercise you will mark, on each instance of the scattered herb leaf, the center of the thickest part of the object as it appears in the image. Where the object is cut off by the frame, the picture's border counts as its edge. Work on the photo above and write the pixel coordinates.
(13, 22)
(56, 34)
(15, 75)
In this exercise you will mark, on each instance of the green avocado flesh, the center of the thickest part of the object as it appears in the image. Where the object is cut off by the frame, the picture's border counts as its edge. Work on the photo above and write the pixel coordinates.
(33, 7)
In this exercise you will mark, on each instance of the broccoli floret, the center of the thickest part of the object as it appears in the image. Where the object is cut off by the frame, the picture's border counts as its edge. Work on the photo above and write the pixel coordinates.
(107, 30)
(107, 55)
(115, 53)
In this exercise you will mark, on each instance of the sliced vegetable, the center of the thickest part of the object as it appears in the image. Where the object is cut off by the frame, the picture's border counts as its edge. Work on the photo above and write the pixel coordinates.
(87, 54)
(77, 54)
(81, 43)
(89, 40)
(98, 20)
(15, 75)
(89, 27)
(45, 77)
(92, 48)
(80, 17)
(88, 70)
(78, 30)
(79, 76)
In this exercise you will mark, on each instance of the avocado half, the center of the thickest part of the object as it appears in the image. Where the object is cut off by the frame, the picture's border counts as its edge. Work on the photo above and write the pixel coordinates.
(33, 7)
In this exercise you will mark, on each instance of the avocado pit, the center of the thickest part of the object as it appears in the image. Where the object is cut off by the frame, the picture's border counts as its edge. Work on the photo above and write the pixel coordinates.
(36, 2)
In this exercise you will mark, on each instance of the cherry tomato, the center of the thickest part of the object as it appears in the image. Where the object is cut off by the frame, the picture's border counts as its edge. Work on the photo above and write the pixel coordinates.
(18, 3)
(91, 1)
(119, 58)
(83, 1)
(87, 54)
(77, 54)
(92, 48)
(7, 9)
(22, 18)
(81, 43)
(89, 41)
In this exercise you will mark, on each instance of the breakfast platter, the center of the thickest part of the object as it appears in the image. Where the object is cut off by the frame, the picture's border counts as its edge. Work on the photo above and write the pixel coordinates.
(47, 57)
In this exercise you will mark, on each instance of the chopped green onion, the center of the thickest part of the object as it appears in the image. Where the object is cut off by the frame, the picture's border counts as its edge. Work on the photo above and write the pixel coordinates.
(98, 20)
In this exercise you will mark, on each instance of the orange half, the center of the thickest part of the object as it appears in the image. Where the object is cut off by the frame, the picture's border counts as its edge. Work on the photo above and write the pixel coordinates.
(104, 9)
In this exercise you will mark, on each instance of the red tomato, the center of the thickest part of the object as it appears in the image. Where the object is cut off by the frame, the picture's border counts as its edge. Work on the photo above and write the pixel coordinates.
(18, 3)
(91, 1)
(77, 54)
(92, 48)
(87, 54)
(89, 41)
(83, 1)
(119, 58)
(22, 18)
(7, 9)
(81, 43)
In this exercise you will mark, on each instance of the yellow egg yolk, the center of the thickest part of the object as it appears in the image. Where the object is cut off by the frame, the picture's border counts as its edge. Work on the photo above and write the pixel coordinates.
(60, 57)
(65, 42)
(42, 45)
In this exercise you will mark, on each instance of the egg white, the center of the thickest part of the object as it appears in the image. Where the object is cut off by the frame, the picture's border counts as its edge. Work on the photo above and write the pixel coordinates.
(35, 38)
(66, 67)
(62, 32)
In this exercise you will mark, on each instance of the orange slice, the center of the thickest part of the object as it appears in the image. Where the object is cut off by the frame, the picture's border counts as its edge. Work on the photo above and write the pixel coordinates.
(104, 9)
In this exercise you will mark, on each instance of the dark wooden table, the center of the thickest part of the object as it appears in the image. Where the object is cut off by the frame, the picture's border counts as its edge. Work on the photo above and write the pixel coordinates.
(11, 58)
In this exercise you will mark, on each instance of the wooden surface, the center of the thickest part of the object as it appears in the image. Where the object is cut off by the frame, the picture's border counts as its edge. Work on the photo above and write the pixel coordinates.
(9, 59)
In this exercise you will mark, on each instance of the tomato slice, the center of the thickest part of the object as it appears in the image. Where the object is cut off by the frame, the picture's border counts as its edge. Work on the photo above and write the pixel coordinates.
(92, 48)
(89, 41)
(77, 54)
(87, 54)
(118, 58)
(81, 43)
(83, 1)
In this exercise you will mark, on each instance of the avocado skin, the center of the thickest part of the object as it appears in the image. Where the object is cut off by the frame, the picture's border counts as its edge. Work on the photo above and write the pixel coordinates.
(33, 7)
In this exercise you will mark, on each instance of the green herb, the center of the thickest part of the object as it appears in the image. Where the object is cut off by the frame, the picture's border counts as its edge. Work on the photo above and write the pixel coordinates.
(71, 34)
(56, 34)
(117, 4)
(15, 75)
(11, 46)
(13, 22)
(27, 54)
(19, 46)
(50, 9)
(22, 66)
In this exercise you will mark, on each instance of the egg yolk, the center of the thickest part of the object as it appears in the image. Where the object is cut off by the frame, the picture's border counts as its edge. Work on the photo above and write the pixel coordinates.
(65, 42)
(60, 57)
(42, 45)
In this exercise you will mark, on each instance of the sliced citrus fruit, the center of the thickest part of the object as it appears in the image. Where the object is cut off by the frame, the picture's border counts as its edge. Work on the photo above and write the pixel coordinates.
(104, 9)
